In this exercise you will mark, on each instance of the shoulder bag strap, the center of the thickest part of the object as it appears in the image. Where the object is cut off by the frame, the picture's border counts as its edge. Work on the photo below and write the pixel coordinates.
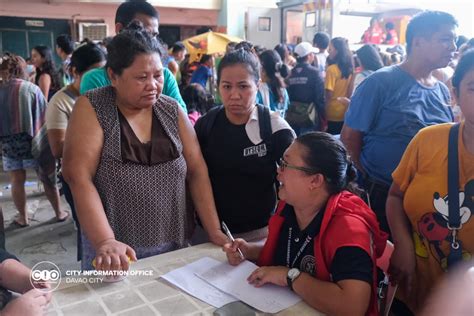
(454, 218)
(205, 123)
(264, 122)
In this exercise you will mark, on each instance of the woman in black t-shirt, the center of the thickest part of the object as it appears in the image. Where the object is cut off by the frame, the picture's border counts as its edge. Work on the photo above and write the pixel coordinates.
(240, 158)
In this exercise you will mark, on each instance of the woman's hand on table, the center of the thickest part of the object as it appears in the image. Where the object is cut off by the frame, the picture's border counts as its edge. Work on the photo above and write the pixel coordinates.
(33, 303)
(113, 255)
(275, 275)
(233, 254)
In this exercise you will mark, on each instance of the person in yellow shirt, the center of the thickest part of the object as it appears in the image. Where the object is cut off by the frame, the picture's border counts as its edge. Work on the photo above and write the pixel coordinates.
(338, 83)
(417, 205)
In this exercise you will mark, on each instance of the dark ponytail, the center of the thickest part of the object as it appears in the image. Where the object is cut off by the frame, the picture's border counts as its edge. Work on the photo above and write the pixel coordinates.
(273, 65)
(329, 156)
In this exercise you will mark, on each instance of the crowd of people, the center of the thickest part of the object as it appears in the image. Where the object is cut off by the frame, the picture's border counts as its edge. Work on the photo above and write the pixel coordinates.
(316, 157)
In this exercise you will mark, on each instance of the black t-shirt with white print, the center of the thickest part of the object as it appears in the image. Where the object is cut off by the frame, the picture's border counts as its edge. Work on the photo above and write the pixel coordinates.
(243, 174)
(348, 262)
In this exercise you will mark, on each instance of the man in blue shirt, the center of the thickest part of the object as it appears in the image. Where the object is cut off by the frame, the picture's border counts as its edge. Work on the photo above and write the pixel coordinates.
(202, 74)
(394, 103)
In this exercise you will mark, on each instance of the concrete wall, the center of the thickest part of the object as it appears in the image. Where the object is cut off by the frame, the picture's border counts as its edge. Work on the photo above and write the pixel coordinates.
(101, 12)
(232, 15)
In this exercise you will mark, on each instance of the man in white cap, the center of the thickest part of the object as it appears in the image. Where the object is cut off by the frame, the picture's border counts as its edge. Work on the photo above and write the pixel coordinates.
(307, 86)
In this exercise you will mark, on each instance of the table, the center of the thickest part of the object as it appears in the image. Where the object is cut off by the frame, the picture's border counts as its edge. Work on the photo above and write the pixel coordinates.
(144, 295)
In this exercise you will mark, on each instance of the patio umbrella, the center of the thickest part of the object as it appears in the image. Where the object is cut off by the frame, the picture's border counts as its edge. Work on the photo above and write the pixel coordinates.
(209, 43)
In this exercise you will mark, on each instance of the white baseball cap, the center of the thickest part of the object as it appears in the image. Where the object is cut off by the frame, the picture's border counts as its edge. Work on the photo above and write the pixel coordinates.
(304, 48)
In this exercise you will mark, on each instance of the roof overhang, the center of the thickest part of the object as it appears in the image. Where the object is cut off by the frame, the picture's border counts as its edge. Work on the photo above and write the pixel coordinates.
(184, 4)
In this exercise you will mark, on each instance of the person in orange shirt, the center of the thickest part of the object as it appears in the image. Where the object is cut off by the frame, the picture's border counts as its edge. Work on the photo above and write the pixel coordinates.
(417, 204)
(338, 83)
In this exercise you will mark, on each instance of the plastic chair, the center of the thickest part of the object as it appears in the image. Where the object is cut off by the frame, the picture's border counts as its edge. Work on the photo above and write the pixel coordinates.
(387, 290)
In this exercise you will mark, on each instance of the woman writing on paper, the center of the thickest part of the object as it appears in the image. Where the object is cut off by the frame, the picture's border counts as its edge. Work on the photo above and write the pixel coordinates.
(323, 240)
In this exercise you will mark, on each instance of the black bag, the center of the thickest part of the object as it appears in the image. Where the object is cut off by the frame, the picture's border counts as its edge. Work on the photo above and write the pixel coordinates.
(301, 114)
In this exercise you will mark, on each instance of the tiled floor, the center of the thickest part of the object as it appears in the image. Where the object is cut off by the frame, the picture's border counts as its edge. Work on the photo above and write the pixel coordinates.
(44, 239)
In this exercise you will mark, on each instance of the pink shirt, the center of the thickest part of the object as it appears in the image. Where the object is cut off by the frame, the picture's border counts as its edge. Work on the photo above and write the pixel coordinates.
(194, 116)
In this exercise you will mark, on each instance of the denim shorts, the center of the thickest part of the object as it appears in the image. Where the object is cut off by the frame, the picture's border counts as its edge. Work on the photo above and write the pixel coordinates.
(11, 164)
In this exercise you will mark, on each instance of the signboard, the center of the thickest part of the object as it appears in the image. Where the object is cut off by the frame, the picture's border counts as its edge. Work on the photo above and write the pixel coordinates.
(36, 23)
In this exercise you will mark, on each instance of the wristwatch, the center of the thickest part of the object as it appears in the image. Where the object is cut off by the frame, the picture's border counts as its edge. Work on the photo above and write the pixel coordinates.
(292, 275)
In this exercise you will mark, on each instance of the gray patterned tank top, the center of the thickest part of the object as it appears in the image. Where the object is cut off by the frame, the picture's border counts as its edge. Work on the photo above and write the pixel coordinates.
(145, 205)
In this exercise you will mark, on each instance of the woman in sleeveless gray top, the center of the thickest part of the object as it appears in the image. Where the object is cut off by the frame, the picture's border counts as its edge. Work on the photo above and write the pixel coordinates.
(128, 153)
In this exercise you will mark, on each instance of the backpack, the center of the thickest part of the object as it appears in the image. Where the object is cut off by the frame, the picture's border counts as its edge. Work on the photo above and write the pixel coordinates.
(205, 124)
(301, 114)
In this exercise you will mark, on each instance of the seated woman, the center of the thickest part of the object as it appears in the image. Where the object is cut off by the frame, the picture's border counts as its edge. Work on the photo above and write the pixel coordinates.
(324, 240)
(128, 154)
(242, 161)
(417, 204)
(14, 276)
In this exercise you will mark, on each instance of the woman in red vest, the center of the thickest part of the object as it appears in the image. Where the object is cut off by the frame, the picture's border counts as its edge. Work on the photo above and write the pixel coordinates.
(323, 240)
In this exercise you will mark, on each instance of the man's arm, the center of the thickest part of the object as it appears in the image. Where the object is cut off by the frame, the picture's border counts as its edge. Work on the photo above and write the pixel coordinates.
(352, 139)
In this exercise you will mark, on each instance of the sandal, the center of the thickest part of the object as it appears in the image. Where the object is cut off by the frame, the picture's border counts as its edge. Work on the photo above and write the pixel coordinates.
(60, 220)
(19, 225)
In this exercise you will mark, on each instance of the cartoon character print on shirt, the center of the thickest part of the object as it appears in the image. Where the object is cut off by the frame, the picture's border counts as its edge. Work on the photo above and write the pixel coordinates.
(433, 228)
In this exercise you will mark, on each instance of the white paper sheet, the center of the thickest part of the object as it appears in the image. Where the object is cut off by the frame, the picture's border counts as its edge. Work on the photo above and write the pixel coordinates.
(185, 278)
(269, 298)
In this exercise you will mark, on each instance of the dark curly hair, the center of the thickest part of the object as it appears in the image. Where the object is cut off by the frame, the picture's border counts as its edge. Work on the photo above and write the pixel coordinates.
(47, 67)
(196, 98)
(12, 67)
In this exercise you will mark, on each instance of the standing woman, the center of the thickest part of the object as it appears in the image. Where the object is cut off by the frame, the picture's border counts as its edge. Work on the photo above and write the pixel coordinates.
(128, 154)
(272, 91)
(417, 204)
(242, 166)
(23, 136)
(370, 61)
(47, 77)
(284, 52)
(338, 83)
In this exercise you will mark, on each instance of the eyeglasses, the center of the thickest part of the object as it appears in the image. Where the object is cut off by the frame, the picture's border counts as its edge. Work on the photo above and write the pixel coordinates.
(282, 164)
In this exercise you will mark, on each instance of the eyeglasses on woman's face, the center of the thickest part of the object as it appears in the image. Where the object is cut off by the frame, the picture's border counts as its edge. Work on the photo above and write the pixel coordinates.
(282, 164)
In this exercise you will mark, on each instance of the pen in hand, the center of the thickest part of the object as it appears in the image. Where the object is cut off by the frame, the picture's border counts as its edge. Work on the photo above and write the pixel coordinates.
(227, 232)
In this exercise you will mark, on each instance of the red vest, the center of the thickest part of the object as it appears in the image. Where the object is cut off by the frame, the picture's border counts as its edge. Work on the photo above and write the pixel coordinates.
(347, 222)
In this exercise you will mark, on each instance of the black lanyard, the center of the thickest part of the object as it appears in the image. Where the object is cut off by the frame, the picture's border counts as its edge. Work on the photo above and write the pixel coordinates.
(298, 254)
